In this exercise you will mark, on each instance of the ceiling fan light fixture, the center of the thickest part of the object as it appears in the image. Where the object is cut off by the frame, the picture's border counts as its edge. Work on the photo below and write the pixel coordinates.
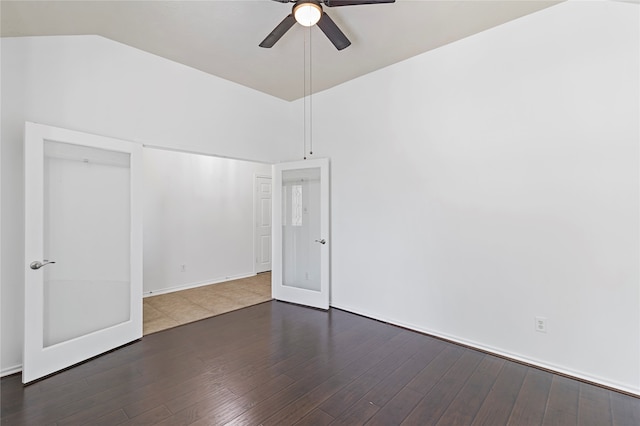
(307, 13)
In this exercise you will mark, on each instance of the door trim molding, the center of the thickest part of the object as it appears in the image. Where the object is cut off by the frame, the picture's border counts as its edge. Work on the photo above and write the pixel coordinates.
(255, 212)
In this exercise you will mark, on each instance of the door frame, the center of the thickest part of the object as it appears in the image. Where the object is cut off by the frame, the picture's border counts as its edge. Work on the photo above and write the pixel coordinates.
(322, 299)
(256, 207)
(39, 361)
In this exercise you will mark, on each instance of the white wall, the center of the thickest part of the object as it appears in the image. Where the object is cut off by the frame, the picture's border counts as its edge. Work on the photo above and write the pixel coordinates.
(495, 179)
(95, 85)
(198, 212)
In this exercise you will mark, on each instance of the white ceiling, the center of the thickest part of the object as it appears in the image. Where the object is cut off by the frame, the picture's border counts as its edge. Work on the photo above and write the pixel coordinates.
(221, 37)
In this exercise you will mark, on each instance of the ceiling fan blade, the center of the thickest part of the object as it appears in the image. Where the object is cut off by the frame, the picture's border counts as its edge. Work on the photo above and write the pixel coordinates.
(333, 33)
(278, 31)
(335, 3)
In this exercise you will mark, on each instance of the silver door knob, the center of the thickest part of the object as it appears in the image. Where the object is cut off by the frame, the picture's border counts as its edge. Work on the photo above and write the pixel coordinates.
(37, 264)
(322, 241)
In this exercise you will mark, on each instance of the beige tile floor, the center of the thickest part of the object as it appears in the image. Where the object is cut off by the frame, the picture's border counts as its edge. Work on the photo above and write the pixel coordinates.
(181, 307)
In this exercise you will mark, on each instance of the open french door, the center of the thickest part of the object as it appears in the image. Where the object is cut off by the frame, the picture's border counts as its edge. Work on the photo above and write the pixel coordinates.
(300, 270)
(83, 247)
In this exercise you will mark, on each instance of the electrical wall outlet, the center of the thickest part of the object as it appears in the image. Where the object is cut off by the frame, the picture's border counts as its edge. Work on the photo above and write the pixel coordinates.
(541, 324)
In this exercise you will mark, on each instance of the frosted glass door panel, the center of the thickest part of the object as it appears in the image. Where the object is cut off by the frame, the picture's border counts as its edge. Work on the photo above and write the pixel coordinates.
(301, 228)
(87, 212)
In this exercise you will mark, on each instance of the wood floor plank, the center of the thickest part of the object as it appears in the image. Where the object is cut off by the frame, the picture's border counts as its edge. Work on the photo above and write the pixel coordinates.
(223, 413)
(157, 394)
(316, 371)
(98, 403)
(150, 417)
(562, 405)
(594, 406)
(397, 409)
(34, 396)
(357, 414)
(298, 409)
(189, 367)
(358, 341)
(113, 418)
(531, 402)
(315, 418)
(432, 372)
(467, 403)
(11, 389)
(203, 408)
(625, 409)
(386, 389)
(280, 364)
(245, 382)
(349, 395)
(263, 410)
(196, 395)
(498, 404)
(433, 405)
(374, 367)
(203, 384)
(371, 360)
(41, 398)
(137, 387)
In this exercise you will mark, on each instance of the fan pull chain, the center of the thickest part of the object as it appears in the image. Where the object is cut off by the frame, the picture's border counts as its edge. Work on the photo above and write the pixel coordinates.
(304, 99)
(310, 94)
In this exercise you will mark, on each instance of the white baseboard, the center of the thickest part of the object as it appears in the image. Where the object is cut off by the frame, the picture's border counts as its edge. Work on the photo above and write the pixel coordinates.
(11, 370)
(499, 352)
(195, 285)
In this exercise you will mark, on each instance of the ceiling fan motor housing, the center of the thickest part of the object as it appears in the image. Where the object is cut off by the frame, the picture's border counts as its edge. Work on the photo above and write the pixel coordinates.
(308, 13)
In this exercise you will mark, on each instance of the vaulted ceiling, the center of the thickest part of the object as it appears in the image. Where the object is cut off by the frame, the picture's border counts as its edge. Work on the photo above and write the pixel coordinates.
(221, 37)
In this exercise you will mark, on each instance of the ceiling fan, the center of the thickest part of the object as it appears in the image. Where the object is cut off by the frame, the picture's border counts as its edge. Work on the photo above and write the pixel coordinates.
(309, 13)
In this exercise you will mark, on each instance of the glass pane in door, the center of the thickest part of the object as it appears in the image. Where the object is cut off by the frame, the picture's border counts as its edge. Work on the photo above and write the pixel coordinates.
(87, 232)
(301, 228)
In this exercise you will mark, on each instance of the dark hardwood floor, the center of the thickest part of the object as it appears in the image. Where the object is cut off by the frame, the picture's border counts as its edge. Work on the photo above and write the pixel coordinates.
(281, 364)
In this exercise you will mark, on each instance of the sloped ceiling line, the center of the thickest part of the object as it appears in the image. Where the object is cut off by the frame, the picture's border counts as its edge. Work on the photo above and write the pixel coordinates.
(221, 37)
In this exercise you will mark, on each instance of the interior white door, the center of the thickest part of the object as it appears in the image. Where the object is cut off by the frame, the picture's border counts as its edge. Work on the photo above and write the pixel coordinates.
(263, 224)
(301, 233)
(83, 247)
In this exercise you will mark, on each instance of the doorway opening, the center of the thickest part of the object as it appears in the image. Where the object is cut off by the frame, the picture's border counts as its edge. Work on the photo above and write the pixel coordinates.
(207, 232)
